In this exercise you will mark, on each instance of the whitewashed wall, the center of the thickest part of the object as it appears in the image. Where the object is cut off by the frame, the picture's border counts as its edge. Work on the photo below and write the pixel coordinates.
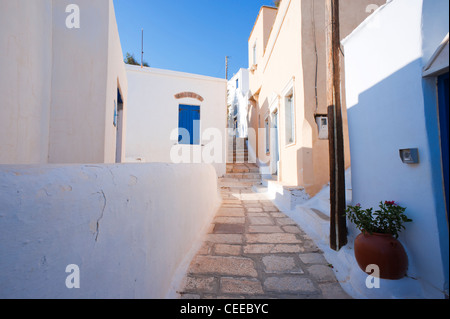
(58, 84)
(153, 114)
(87, 64)
(25, 80)
(128, 227)
(387, 111)
(238, 98)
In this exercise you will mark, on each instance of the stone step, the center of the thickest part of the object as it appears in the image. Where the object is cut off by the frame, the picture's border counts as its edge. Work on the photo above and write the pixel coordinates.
(241, 180)
(247, 165)
(236, 184)
(240, 155)
(244, 170)
(244, 175)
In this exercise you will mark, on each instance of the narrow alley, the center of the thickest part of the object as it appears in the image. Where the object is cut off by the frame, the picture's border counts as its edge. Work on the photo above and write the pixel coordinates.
(255, 251)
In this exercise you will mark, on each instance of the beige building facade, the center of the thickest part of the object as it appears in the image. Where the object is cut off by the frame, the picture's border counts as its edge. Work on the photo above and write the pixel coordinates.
(287, 62)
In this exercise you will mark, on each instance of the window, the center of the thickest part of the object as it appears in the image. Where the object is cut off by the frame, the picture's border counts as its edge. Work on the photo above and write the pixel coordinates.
(237, 83)
(266, 126)
(290, 120)
(254, 55)
(189, 125)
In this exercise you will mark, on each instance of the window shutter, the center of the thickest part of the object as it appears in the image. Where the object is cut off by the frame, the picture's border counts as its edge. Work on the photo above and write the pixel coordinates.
(189, 123)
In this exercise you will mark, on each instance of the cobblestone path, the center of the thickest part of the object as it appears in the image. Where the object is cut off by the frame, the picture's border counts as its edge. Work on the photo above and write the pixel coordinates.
(255, 251)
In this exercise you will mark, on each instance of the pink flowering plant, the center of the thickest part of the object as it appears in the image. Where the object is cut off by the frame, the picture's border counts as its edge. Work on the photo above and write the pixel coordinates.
(388, 219)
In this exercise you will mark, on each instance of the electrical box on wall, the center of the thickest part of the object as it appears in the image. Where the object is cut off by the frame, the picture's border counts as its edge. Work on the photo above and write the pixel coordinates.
(410, 156)
(322, 123)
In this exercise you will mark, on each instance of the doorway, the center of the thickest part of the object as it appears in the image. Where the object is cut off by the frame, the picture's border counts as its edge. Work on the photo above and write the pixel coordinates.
(443, 87)
(119, 127)
(275, 143)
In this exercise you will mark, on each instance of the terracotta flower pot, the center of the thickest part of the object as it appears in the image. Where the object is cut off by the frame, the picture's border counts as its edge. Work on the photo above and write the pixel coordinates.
(384, 251)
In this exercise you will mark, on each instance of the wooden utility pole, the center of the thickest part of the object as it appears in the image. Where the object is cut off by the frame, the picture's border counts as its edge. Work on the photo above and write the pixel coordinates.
(226, 67)
(338, 221)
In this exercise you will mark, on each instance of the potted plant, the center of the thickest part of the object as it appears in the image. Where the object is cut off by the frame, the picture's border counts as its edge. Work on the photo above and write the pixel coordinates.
(377, 244)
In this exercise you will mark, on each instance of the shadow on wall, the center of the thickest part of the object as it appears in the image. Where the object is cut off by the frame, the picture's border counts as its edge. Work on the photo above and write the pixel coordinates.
(388, 117)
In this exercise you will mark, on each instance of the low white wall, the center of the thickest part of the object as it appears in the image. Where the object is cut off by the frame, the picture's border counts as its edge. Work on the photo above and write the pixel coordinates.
(128, 227)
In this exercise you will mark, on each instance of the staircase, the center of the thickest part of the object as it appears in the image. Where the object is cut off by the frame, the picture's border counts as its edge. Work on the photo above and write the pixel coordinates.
(240, 173)
(237, 150)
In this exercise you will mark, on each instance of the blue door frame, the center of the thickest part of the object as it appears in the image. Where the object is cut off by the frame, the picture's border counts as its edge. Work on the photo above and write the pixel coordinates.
(443, 87)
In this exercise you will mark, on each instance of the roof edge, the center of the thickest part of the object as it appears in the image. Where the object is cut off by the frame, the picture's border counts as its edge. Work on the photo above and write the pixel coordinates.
(257, 18)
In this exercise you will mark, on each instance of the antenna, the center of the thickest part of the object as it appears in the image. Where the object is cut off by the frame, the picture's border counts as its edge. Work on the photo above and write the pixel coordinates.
(142, 51)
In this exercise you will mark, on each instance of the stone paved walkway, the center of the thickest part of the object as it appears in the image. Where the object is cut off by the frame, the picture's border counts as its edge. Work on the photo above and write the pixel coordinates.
(255, 251)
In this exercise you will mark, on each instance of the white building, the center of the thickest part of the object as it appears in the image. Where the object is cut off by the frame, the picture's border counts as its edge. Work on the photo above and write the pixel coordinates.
(396, 68)
(238, 104)
(64, 101)
(62, 81)
(163, 104)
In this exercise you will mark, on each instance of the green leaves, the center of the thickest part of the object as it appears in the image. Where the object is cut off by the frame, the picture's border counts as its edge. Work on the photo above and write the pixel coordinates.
(130, 59)
(388, 219)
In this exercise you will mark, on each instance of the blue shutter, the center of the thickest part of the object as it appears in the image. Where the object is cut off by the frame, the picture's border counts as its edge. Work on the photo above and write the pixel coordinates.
(195, 125)
(189, 123)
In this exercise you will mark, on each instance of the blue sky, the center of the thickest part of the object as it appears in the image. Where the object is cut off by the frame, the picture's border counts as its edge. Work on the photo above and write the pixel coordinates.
(191, 36)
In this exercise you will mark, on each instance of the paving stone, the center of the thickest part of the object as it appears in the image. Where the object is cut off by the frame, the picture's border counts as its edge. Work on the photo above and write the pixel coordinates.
(250, 205)
(313, 258)
(290, 284)
(232, 206)
(231, 212)
(270, 209)
(229, 229)
(333, 291)
(278, 215)
(264, 229)
(258, 215)
(205, 249)
(200, 284)
(229, 220)
(231, 266)
(280, 264)
(271, 249)
(232, 201)
(272, 238)
(222, 249)
(241, 286)
(285, 221)
(254, 210)
(322, 273)
(225, 238)
(292, 229)
(308, 246)
(260, 221)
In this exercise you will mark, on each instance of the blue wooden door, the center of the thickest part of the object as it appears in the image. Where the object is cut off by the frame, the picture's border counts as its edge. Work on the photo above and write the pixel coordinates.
(443, 119)
(189, 125)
